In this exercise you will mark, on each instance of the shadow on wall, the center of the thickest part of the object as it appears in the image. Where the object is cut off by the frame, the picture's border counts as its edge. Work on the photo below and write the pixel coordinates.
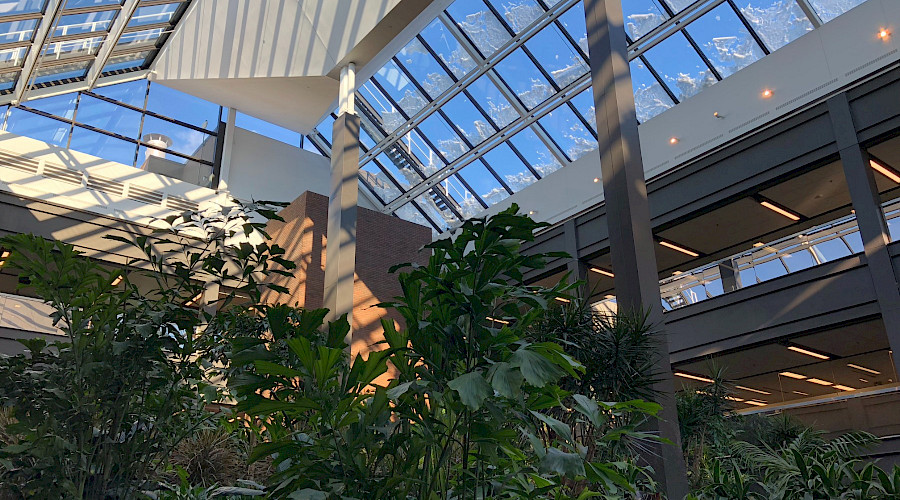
(381, 242)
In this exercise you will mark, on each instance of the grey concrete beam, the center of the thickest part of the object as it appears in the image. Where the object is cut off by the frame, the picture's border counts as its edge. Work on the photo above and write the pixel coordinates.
(869, 217)
(340, 249)
(628, 214)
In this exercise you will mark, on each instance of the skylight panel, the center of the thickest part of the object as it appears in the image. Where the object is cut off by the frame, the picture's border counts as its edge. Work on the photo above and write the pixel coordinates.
(153, 14)
(12, 58)
(412, 213)
(463, 114)
(78, 4)
(434, 204)
(21, 7)
(679, 5)
(830, 9)
(584, 104)
(130, 61)
(442, 136)
(17, 31)
(492, 101)
(389, 117)
(68, 71)
(725, 40)
(778, 22)
(89, 22)
(394, 82)
(8, 81)
(448, 48)
(518, 14)
(400, 167)
(479, 24)
(461, 197)
(558, 57)
(428, 72)
(511, 169)
(642, 16)
(524, 79)
(573, 23)
(680, 67)
(650, 98)
(535, 152)
(484, 183)
(569, 132)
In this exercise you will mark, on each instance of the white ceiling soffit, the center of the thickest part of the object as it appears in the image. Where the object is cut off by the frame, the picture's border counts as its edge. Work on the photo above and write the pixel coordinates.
(277, 60)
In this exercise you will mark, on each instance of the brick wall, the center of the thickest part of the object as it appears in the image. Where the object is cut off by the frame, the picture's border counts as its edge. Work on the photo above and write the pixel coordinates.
(381, 242)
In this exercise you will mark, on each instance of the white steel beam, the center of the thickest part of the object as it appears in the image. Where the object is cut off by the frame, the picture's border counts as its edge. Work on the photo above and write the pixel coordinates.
(109, 44)
(43, 32)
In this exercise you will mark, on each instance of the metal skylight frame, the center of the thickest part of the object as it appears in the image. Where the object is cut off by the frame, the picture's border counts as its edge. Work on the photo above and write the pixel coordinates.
(674, 24)
(100, 47)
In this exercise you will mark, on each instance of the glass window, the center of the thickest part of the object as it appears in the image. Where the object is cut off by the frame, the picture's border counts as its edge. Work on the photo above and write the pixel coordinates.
(108, 116)
(459, 197)
(398, 86)
(768, 270)
(434, 205)
(153, 14)
(523, 77)
(89, 22)
(411, 213)
(574, 24)
(399, 165)
(443, 137)
(58, 72)
(388, 117)
(55, 51)
(641, 16)
(797, 261)
(725, 40)
(484, 184)
(535, 152)
(267, 129)
(183, 107)
(139, 38)
(568, 132)
(136, 60)
(678, 5)
(131, 93)
(326, 128)
(447, 47)
(480, 24)
(832, 249)
(519, 14)
(778, 22)
(509, 167)
(650, 98)
(8, 7)
(426, 159)
(830, 9)
(184, 140)
(12, 58)
(8, 81)
(378, 182)
(492, 101)
(62, 105)
(424, 68)
(103, 146)
(17, 31)
(680, 66)
(25, 123)
(78, 4)
(854, 241)
(584, 103)
(468, 120)
(557, 55)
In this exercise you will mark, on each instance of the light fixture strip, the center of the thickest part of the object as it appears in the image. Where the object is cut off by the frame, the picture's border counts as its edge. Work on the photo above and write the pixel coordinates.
(818, 381)
(602, 271)
(793, 375)
(863, 368)
(807, 352)
(881, 169)
(679, 249)
(745, 388)
(775, 208)
(694, 377)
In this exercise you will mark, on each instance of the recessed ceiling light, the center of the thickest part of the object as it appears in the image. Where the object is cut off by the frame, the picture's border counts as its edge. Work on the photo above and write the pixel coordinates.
(694, 377)
(864, 381)
(732, 398)
(883, 33)
(563, 300)
(779, 210)
(679, 249)
(818, 381)
(495, 320)
(602, 271)
(673, 140)
(793, 375)
(885, 171)
(676, 273)
(755, 403)
(118, 280)
(802, 350)
(844, 387)
(863, 368)
(767, 93)
(745, 388)
(596, 179)
(4, 254)
(801, 393)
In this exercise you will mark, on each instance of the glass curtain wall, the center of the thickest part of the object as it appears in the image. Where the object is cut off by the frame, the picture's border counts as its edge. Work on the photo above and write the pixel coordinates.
(495, 94)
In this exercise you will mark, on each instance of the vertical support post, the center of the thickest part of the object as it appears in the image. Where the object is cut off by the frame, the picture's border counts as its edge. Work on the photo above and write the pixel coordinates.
(731, 279)
(869, 218)
(227, 149)
(340, 246)
(628, 215)
(577, 270)
(209, 300)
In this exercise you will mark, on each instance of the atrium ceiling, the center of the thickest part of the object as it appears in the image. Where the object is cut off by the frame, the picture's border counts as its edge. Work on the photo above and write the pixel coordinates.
(493, 95)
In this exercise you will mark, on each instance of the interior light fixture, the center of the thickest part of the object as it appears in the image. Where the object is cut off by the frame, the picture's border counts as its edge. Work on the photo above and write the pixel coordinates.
(767, 93)
(673, 140)
(793, 375)
(883, 33)
(818, 381)
(864, 381)
(118, 280)
(758, 244)
(745, 388)
(781, 210)
(194, 300)
(844, 387)
(732, 398)
(864, 369)
(501, 321)
(694, 377)
(808, 352)
(755, 403)
(801, 393)
(885, 171)
(4, 253)
(676, 273)
(678, 248)
(563, 300)
(596, 180)
(604, 272)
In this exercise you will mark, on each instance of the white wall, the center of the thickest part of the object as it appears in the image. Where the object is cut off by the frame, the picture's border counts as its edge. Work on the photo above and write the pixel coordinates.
(265, 169)
(806, 70)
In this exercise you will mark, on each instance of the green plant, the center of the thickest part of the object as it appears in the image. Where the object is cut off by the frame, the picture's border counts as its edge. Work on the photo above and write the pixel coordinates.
(97, 414)
(210, 456)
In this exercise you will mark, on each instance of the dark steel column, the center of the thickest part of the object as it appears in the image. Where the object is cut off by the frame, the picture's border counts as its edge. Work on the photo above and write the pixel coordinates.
(577, 269)
(869, 217)
(340, 244)
(731, 279)
(628, 215)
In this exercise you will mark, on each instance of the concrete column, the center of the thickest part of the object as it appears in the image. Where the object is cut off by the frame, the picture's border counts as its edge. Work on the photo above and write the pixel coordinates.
(209, 300)
(340, 249)
(731, 279)
(630, 236)
(227, 149)
(869, 217)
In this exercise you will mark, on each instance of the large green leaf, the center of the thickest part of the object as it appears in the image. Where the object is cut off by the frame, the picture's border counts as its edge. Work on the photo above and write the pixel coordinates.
(472, 389)
(565, 464)
(537, 369)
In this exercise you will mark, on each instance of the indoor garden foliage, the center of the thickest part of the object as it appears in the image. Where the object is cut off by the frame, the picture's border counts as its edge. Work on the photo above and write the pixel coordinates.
(176, 380)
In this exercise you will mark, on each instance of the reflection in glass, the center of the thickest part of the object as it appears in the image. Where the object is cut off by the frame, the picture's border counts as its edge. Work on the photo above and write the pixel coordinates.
(523, 78)
(680, 66)
(447, 47)
(535, 152)
(468, 120)
(641, 16)
(650, 99)
(89, 22)
(509, 167)
(725, 40)
(153, 14)
(568, 132)
(108, 116)
(558, 57)
(830, 9)
(17, 31)
(778, 22)
(103, 146)
(480, 24)
(183, 107)
(424, 68)
(518, 14)
(38, 127)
